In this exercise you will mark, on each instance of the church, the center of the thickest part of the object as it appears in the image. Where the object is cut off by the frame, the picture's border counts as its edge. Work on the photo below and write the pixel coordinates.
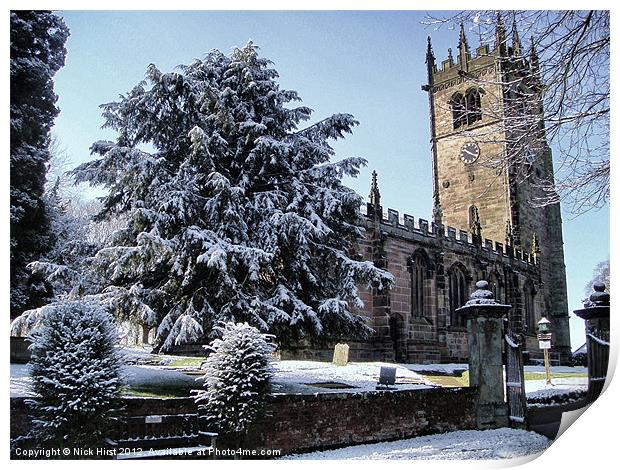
(483, 226)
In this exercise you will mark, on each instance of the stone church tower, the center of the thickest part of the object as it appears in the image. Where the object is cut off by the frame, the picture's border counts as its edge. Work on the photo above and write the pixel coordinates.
(484, 224)
(486, 161)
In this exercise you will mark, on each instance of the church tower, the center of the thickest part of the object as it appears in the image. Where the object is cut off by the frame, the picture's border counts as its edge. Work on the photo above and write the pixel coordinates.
(488, 157)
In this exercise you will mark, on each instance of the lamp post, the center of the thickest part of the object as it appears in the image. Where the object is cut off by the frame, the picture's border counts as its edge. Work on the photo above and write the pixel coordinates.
(544, 343)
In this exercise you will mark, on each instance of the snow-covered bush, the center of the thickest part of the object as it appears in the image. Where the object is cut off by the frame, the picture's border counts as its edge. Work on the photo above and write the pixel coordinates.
(237, 378)
(75, 374)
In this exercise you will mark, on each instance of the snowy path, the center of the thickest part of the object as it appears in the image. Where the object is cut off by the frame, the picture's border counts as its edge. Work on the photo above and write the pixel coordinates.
(501, 443)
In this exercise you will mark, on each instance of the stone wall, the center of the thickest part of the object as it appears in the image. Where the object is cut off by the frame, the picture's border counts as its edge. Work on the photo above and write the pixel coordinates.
(300, 423)
(306, 422)
(457, 347)
(405, 334)
(430, 335)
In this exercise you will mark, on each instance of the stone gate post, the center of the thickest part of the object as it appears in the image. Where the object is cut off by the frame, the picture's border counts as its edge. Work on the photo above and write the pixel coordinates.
(596, 315)
(485, 318)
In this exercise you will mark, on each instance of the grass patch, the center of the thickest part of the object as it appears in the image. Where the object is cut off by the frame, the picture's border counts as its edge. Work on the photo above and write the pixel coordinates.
(557, 375)
(187, 362)
(463, 380)
(449, 380)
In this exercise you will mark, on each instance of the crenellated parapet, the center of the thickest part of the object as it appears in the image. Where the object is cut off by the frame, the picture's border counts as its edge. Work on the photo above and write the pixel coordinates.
(468, 65)
(407, 227)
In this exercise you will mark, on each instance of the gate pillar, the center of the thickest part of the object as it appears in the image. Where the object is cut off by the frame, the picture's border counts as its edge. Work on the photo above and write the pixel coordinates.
(596, 315)
(485, 318)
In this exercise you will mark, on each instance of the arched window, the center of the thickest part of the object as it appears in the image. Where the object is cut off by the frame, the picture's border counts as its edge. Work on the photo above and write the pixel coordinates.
(458, 291)
(459, 110)
(420, 269)
(466, 109)
(496, 285)
(474, 108)
(529, 314)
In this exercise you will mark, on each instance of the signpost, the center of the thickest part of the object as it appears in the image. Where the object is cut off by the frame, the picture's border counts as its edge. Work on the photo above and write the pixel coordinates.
(544, 343)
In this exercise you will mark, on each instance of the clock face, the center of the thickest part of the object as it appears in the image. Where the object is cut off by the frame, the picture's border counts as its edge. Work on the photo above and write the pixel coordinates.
(470, 152)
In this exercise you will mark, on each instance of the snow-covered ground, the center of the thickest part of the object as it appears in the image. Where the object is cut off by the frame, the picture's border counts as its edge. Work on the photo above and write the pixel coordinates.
(297, 377)
(557, 369)
(562, 383)
(450, 369)
(501, 443)
(20, 380)
(137, 354)
(153, 375)
(136, 376)
(290, 377)
(439, 369)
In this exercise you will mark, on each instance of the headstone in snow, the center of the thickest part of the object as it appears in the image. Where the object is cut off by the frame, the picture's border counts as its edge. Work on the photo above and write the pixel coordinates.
(387, 375)
(341, 354)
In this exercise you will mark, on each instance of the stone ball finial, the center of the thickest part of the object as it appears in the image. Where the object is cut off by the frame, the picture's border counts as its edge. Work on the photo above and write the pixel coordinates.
(482, 303)
(599, 298)
(482, 294)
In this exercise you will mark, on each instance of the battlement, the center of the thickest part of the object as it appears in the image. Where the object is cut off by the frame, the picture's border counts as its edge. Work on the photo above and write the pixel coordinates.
(484, 56)
(408, 227)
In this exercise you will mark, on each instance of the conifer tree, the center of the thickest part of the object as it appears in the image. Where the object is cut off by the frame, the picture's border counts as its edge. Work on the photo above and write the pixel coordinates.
(75, 374)
(235, 212)
(237, 379)
(37, 53)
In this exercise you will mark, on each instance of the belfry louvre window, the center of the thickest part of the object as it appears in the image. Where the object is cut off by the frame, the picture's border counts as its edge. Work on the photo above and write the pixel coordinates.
(466, 109)
(474, 109)
(459, 117)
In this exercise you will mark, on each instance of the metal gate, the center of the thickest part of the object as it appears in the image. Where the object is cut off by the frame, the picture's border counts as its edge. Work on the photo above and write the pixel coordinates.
(515, 381)
(598, 361)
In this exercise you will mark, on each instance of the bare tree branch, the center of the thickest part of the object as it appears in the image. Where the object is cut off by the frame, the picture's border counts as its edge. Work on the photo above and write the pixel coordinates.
(553, 93)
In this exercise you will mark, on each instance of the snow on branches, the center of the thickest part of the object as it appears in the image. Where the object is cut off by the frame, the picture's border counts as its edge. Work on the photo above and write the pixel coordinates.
(75, 374)
(237, 378)
(237, 213)
(37, 53)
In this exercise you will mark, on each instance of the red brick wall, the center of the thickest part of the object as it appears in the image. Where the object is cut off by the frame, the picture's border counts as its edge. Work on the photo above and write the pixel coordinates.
(298, 423)
(307, 422)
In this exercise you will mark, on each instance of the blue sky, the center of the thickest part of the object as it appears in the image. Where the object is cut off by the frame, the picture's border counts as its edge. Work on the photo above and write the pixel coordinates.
(369, 64)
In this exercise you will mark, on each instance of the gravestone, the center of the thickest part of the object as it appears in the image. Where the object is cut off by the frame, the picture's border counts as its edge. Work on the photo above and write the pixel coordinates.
(341, 354)
(387, 377)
